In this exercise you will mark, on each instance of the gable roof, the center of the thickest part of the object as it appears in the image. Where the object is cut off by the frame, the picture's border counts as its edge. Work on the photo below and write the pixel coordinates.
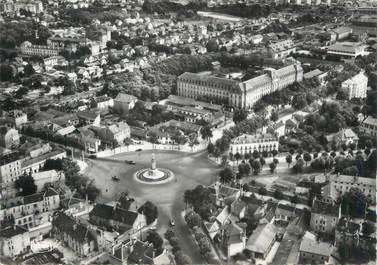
(262, 237)
(309, 244)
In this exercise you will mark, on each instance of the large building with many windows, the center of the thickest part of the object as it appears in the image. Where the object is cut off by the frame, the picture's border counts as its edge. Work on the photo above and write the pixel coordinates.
(247, 144)
(235, 93)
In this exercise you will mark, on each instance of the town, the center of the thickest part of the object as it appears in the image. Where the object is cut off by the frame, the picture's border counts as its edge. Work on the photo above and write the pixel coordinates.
(188, 132)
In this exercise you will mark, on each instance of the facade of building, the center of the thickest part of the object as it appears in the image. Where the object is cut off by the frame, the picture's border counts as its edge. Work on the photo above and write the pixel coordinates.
(9, 137)
(16, 6)
(26, 211)
(340, 184)
(10, 169)
(117, 132)
(324, 216)
(356, 87)
(369, 126)
(27, 48)
(249, 143)
(235, 93)
(34, 165)
(14, 241)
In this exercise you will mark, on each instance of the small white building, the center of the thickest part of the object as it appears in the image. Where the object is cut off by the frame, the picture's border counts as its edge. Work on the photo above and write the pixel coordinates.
(356, 87)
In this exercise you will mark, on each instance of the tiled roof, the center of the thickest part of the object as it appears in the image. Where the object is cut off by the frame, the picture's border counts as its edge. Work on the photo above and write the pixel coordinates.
(262, 238)
(114, 213)
(122, 97)
(310, 245)
(12, 231)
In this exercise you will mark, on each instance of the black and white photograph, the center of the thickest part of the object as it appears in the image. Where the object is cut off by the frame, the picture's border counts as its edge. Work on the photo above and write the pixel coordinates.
(179, 132)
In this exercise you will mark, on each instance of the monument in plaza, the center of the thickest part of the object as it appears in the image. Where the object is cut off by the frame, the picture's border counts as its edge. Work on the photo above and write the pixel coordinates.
(153, 174)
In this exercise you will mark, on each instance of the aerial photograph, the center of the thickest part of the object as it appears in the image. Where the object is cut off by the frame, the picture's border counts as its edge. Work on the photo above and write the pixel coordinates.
(177, 132)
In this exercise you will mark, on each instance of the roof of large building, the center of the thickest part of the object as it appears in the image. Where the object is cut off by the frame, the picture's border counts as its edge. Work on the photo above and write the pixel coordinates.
(12, 231)
(349, 47)
(210, 79)
(114, 213)
(253, 138)
(122, 97)
(352, 179)
(40, 158)
(310, 244)
(262, 238)
(39, 196)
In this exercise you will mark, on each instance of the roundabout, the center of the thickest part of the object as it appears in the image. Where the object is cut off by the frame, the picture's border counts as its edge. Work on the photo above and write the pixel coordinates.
(153, 175)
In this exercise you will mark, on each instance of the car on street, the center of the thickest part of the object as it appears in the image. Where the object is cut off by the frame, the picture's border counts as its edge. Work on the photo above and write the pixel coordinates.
(130, 162)
(172, 223)
(115, 178)
(138, 150)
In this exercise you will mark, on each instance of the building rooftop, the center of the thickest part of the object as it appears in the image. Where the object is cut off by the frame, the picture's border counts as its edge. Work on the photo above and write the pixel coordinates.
(122, 97)
(253, 138)
(310, 244)
(114, 213)
(12, 231)
(262, 238)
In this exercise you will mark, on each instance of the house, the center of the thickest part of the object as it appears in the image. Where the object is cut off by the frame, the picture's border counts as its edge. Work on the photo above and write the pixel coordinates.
(123, 103)
(313, 251)
(103, 102)
(284, 213)
(89, 140)
(89, 118)
(324, 216)
(344, 136)
(117, 218)
(247, 143)
(73, 234)
(14, 241)
(16, 118)
(117, 132)
(238, 209)
(261, 241)
(369, 126)
(9, 137)
(233, 238)
(222, 194)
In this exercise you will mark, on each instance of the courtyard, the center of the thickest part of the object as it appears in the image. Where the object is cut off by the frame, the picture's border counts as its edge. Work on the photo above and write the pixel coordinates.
(189, 171)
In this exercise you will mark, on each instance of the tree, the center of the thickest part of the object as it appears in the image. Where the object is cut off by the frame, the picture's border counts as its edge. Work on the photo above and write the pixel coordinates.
(354, 203)
(274, 116)
(212, 45)
(226, 175)
(6, 73)
(294, 199)
(274, 152)
(206, 132)
(244, 169)
(299, 166)
(262, 191)
(237, 156)
(29, 70)
(150, 211)
(193, 219)
(210, 148)
(26, 185)
(368, 228)
(278, 195)
(272, 167)
(307, 158)
(154, 238)
(257, 166)
(299, 101)
(239, 115)
(288, 159)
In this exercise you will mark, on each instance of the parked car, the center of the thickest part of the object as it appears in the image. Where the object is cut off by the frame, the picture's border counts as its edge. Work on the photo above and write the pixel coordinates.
(130, 162)
(115, 178)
